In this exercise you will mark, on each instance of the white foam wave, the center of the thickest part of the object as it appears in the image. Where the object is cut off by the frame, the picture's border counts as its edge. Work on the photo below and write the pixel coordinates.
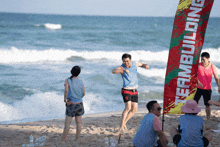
(49, 105)
(53, 26)
(214, 54)
(36, 107)
(152, 72)
(15, 55)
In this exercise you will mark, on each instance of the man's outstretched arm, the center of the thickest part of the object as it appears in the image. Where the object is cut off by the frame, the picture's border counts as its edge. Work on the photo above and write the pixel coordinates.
(118, 70)
(142, 65)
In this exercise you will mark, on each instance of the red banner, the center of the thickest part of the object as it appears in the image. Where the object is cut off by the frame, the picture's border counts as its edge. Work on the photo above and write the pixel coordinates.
(186, 44)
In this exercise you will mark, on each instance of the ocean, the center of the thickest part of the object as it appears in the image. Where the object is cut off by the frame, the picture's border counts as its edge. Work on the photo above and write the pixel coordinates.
(38, 51)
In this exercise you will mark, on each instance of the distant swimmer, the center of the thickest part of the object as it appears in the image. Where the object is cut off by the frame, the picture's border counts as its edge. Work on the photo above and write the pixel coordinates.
(128, 71)
(205, 71)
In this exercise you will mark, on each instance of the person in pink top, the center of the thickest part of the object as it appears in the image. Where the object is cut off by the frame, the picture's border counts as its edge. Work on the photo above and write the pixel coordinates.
(205, 71)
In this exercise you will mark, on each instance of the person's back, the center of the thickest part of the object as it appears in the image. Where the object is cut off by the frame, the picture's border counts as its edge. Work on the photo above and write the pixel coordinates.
(191, 126)
(75, 92)
(146, 135)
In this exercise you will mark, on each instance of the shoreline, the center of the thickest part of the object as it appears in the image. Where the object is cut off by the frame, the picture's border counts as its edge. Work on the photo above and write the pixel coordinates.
(141, 109)
(95, 127)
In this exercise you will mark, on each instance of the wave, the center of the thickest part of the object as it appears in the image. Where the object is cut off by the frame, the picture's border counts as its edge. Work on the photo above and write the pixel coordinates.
(15, 55)
(50, 105)
(36, 106)
(153, 72)
(50, 26)
(53, 26)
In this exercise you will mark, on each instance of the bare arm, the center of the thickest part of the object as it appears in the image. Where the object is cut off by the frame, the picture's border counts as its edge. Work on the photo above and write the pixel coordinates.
(68, 102)
(120, 70)
(66, 91)
(142, 65)
(158, 130)
(216, 75)
(217, 103)
(162, 138)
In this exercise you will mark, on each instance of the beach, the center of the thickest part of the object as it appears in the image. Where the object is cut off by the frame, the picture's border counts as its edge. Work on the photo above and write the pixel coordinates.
(36, 59)
(95, 127)
(37, 52)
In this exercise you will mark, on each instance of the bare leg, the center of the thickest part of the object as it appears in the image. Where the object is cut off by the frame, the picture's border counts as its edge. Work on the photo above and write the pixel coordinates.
(66, 129)
(78, 126)
(209, 136)
(134, 108)
(173, 131)
(124, 114)
(208, 111)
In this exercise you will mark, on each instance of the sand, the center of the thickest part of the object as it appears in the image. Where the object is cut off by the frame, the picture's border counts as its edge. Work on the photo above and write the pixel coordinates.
(95, 128)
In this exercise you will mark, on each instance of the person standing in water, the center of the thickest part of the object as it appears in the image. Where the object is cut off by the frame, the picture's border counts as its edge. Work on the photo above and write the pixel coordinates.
(128, 71)
(73, 94)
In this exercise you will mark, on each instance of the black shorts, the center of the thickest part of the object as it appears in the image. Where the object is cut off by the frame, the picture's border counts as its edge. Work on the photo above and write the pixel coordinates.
(129, 95)
(206, 95)
(177, 137)
(75, 110)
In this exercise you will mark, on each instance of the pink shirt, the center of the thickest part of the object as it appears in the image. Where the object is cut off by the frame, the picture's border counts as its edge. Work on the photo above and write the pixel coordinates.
(156, 123)
(205, 76)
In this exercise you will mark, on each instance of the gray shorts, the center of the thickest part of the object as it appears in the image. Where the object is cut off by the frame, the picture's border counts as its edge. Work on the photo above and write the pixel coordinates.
(75, 110)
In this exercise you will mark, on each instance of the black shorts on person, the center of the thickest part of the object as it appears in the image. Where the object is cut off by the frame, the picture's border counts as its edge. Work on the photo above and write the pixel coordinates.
(75, 110)
(177, 137)
(129, 95)
(206, 95)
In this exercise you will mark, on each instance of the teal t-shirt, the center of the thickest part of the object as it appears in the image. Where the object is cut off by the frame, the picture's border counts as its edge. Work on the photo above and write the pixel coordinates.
(130, 80)
(75, 92)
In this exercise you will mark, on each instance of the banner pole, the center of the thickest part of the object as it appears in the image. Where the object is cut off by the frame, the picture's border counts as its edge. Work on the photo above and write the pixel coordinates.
(163, 121)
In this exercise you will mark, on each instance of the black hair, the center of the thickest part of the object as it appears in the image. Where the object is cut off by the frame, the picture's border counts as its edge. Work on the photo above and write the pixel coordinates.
(150, 105)
(75, 71)
(125, 55)
(205, 54)
(192, 113)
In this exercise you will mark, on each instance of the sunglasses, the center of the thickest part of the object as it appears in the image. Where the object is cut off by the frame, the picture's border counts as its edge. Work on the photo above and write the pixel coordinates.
(159, 108)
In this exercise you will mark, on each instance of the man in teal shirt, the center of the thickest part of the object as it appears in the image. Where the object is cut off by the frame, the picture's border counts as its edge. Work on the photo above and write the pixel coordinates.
(128, 71)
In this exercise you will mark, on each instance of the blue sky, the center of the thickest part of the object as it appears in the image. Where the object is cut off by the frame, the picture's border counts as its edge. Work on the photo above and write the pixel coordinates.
(98, 7)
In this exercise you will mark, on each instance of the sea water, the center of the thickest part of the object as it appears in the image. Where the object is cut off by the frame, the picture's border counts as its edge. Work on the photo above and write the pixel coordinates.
(38, 51)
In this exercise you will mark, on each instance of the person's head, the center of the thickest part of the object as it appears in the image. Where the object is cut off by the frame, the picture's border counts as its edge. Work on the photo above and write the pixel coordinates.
(75, 71)
(205, 58)
(190, 107)
(154, 107)
(126, 58)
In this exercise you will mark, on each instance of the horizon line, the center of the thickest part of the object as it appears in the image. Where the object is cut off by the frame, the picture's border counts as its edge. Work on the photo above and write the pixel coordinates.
(91, 14)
